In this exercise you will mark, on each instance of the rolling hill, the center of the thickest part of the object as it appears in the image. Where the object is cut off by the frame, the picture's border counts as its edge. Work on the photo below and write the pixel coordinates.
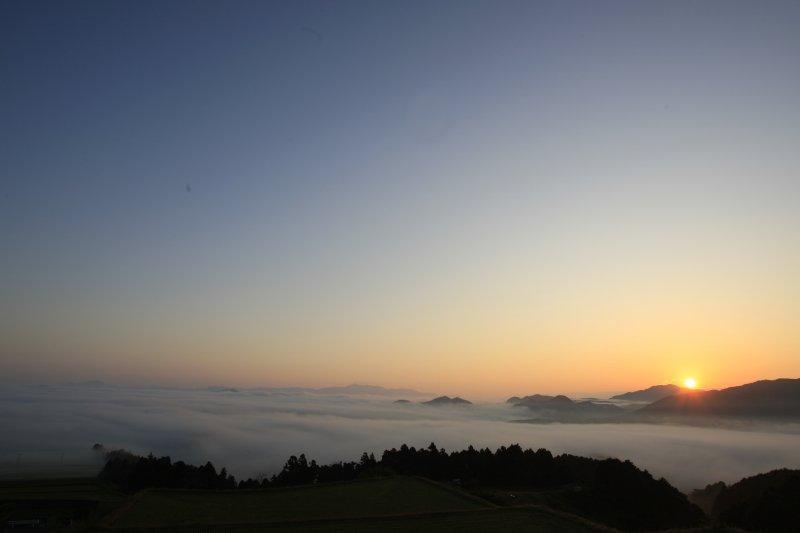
(401, 503)
(562, 409)
(774, 399)
(447, 400)
(764, 502)
(650, 394)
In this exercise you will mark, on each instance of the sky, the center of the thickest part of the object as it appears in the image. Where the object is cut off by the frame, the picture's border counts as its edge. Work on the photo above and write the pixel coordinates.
(475, 198)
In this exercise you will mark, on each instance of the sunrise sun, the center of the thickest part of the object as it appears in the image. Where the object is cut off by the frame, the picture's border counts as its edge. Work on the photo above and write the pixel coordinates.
(690, 383)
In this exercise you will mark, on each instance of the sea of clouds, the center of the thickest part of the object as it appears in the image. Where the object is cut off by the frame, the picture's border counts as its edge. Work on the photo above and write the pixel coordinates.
(252, 432)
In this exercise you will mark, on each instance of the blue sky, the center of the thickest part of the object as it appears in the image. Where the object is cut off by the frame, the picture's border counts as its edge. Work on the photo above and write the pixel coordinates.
(316, 192)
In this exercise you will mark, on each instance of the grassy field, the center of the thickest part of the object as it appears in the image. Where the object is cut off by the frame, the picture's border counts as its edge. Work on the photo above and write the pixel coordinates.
(488, 520)
(11, 470)
(57, 502)
(386, 496)
(395, 504)
(399, 504)
(58, 489)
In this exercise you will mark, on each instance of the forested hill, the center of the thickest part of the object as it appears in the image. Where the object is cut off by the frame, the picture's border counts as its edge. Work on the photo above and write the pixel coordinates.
(765, 502)
(609, 491)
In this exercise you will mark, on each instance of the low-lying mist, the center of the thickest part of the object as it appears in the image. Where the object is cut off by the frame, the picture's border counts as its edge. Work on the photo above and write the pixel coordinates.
(252, 432)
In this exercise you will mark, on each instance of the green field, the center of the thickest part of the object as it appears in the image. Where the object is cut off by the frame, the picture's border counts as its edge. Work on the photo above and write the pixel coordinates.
(57, 502)
(387, 496)
(492, 520)
(387, 504)
(58, 489)
(399, 504)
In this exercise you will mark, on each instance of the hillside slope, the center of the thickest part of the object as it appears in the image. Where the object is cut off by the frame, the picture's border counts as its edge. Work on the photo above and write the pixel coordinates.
(776, 399)
(650, 394)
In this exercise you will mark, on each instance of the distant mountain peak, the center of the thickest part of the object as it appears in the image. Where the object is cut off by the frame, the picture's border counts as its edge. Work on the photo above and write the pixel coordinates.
(375, 390)
(447, 400)
(532, 398)
(775, 399)
(650, 394)
(563, 408)
(560, 399)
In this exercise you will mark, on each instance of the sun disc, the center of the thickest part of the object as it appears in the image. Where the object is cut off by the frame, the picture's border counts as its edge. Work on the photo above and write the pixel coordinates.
(690, 383)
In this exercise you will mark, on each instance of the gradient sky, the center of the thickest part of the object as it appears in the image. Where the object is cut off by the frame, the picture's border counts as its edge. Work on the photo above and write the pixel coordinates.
(477, 198)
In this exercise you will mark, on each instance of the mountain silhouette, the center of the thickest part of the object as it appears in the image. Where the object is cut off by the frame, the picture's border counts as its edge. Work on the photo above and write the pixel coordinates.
(540, 400)
(354, 389)
(358, 389)
(650, 394)
(447, 400)
(560, 408)
(533, 399)
(778, 399)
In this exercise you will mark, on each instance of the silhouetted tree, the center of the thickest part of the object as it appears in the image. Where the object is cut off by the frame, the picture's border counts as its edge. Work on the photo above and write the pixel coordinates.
(610, 491)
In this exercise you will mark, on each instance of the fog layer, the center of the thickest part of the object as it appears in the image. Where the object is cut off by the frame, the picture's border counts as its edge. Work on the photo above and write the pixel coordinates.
(252, 432)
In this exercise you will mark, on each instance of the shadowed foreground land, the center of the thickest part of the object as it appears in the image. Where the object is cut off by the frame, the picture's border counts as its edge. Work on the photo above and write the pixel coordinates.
(398, 503)
(408, 489)
(397, 495)
(609, 491)
(58, 502)
(524, 519)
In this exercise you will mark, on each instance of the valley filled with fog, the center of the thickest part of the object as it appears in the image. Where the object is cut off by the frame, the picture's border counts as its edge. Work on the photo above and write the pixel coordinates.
(51, 429)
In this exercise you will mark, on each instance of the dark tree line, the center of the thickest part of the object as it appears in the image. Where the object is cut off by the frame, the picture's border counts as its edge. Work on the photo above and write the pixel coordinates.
(299, 471)
(133, 472)
(610, 491)
(764, 502)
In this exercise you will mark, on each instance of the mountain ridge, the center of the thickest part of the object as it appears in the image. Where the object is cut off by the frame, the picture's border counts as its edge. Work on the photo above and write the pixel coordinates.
(447, 400)
(650, 394)
(778, 398)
